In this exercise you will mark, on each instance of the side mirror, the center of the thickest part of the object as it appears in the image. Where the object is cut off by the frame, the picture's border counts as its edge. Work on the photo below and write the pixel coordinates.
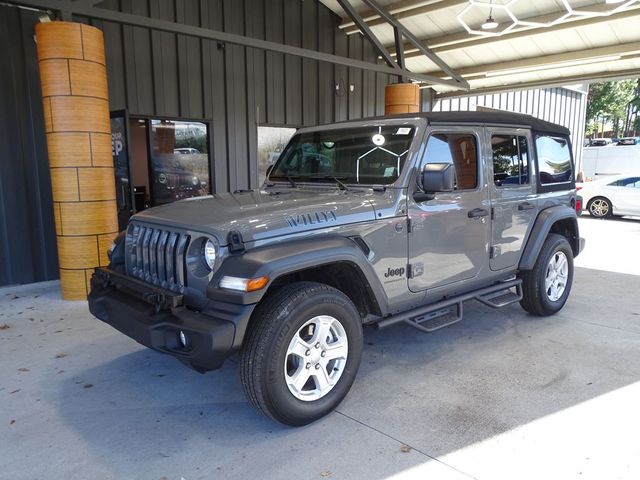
(434, 178)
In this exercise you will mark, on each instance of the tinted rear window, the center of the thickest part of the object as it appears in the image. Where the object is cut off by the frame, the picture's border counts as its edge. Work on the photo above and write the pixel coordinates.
(554, 160)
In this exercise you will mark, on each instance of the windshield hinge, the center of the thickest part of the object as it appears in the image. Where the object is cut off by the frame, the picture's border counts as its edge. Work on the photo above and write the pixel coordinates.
(236, 245)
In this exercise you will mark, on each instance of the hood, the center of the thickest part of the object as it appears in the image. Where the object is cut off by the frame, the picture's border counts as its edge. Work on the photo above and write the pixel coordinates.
(259, 214)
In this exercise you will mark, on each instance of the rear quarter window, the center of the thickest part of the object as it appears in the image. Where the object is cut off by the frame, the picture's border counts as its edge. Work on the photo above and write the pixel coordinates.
(555, 164)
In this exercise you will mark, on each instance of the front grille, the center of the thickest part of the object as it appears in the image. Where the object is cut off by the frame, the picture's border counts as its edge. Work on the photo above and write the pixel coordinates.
(157, 256)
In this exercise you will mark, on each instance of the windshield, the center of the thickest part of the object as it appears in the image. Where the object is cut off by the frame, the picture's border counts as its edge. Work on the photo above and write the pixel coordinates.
(360, 155)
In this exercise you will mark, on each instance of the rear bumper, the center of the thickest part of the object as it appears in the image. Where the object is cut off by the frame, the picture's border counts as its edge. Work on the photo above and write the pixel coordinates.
(155, 317)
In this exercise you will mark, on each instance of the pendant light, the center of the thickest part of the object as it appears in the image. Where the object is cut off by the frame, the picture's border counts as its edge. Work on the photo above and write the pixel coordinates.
(490, 23)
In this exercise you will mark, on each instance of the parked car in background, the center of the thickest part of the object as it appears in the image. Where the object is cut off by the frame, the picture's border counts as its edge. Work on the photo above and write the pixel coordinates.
(629, 141)
(600, 142)
(610, 160)
(186, 151)
(616, 195)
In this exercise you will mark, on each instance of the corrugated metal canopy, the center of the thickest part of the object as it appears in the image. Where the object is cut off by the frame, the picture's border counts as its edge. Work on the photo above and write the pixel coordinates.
(549, 46)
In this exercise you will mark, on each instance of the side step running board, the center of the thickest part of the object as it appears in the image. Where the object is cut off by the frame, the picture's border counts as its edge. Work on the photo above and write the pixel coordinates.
(436, 320)
(447, 312)
(502, 298)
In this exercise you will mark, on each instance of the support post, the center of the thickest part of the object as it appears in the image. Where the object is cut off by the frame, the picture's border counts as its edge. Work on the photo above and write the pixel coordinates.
(401, 98)
(73, 78)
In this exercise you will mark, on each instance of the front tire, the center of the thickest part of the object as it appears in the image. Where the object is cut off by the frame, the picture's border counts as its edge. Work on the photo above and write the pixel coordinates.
(546, 287)
(600, 207)
(302, 354)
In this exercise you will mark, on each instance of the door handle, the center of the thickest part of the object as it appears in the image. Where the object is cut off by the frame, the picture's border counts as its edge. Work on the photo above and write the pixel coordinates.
(477, 212)
(526, 206)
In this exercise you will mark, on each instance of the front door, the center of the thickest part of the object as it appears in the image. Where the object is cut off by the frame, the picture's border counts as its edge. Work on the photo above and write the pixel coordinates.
(449, 235)
(513, 202)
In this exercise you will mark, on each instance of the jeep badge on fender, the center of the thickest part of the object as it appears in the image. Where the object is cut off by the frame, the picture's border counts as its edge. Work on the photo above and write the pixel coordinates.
(287, 274)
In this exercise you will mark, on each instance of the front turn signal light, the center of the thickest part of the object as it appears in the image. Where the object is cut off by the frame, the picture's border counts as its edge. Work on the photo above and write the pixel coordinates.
(244, 284)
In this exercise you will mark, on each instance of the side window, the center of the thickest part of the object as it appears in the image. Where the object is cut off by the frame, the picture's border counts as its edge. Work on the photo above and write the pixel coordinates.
(510, 160)
(632, 182)
(554, 160)
(459, 149)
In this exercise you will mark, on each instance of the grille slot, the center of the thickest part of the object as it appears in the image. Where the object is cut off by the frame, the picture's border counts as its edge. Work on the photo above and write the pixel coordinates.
(157, 256)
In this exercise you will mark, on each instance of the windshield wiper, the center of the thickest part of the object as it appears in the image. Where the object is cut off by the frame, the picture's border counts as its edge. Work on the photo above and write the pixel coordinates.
(289, 179)
(293, 184)
(341, 185)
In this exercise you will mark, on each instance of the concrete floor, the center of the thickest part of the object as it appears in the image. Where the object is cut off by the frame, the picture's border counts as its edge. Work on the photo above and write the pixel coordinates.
(499, 395)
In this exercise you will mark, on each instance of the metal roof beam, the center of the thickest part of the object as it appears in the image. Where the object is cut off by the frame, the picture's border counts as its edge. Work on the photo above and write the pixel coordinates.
(553, 82)
(574, 58)
(366, 31)
(412, 38)
(402, 10)
(461, 40)
(224, 37)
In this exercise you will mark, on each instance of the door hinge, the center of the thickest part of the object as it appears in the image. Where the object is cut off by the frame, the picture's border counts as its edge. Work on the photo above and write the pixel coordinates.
(415, 270)
(408, 225)
(494, 251)
(493, 213)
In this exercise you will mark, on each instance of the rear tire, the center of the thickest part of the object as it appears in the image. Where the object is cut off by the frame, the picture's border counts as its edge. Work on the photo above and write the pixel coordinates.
(600, 207)
(302, 353)
(546, 287)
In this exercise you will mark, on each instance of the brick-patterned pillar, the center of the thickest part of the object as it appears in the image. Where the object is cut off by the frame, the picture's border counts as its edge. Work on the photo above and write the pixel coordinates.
(401, 98)
(73, 77)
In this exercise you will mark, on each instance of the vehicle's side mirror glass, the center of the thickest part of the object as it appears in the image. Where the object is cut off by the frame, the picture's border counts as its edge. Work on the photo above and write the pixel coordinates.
(435, 178)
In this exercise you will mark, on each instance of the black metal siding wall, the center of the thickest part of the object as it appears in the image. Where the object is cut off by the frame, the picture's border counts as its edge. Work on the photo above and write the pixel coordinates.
(238, 88)
(163, 74)
(27, 233)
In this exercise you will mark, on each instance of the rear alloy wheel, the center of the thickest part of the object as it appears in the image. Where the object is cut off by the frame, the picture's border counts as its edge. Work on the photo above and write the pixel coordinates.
(546, 287)
(301, 353)
(600, 207)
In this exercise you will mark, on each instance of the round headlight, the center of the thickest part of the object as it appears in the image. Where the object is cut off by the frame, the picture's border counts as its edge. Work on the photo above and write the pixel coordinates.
(210, 254)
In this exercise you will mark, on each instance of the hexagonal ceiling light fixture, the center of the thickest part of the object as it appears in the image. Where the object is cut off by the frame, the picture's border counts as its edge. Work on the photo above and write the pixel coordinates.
(509, 9)
(608, 7)
(490, 27)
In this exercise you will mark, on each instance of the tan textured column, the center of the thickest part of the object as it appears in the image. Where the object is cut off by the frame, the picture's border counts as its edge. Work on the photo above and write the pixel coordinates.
(73, 77)
(401, 98)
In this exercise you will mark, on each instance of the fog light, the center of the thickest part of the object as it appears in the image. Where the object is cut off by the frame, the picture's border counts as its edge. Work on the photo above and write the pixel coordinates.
(184, 340)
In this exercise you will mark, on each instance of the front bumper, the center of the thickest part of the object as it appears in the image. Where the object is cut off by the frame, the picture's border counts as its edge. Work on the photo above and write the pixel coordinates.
(155, 317)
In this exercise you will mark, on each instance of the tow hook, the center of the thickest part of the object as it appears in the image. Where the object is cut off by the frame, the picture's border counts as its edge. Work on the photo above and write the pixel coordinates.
(157, 299)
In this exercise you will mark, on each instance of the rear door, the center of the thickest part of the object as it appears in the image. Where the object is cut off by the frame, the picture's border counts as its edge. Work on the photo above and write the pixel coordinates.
(514, 206)
(449, 235)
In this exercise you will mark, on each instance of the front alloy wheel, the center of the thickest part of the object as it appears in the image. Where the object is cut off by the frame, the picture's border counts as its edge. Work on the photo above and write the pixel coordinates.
(316, 358)
(301, 353)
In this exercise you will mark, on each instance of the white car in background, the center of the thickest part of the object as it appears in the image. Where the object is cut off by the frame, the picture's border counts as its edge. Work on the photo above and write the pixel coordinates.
(612, 195)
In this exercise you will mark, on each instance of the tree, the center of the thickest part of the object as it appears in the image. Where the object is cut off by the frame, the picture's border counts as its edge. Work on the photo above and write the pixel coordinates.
(609, 101)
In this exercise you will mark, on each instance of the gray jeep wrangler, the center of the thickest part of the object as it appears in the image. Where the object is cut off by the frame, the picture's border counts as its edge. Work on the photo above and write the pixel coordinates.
(372, 222)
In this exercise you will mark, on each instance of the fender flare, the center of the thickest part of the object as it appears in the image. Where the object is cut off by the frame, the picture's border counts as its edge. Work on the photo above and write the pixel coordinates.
(541, 228)
(286, 257)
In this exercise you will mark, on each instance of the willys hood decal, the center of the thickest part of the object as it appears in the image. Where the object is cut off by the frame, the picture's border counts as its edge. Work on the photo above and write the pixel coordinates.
(258, 215)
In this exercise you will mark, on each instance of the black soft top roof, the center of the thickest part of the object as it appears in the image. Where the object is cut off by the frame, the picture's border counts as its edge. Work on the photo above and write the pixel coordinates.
(488, 118)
